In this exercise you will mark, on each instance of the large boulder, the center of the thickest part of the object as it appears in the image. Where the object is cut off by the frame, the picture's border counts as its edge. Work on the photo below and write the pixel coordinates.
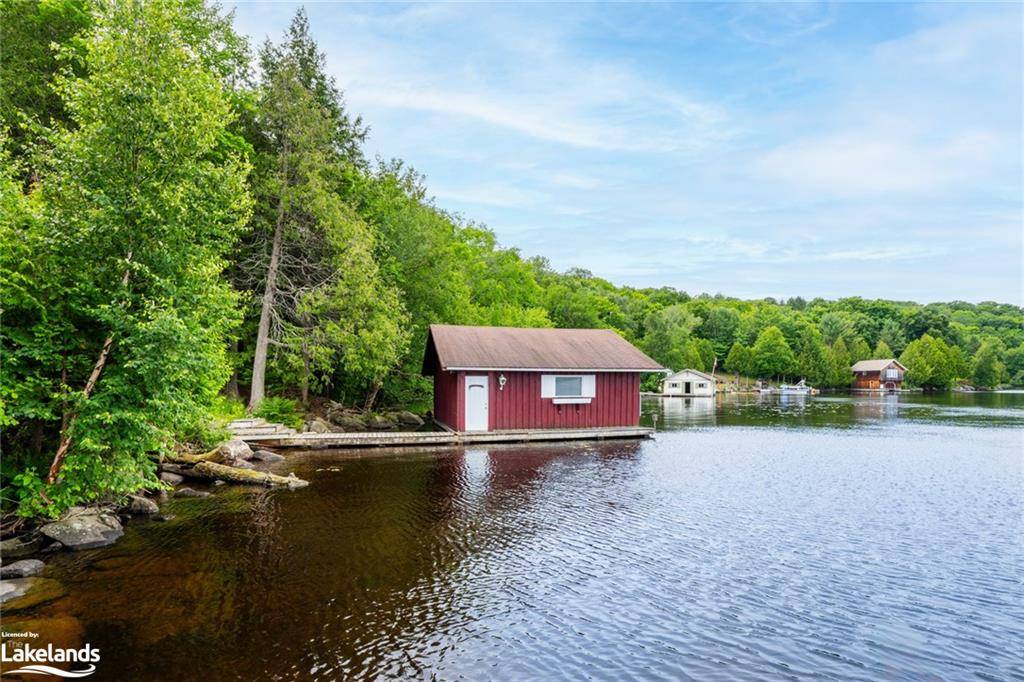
(266, 456)
(381, 423)
(349, 421)
(407, 418)
(85, 528)
(142, 506)
(232, 451)
(317, 425)
(25, 568)
(173, 479)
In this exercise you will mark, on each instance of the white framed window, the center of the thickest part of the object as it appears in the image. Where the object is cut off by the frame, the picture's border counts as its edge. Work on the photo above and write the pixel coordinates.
(673, 384)
(568, 388)
(892, 373)
(702, 385)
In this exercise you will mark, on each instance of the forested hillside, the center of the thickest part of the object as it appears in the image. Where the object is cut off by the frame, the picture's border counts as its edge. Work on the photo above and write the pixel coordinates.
(187, 217)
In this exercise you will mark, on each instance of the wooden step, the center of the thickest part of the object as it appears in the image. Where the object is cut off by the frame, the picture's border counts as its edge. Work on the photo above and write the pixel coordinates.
(257, 430)
(246, 423)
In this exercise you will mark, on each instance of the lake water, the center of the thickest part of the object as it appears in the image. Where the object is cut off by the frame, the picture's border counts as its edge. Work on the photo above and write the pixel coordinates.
(836, 537)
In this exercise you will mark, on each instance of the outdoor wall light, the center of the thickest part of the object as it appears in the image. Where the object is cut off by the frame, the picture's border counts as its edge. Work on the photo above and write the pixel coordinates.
(501, 382)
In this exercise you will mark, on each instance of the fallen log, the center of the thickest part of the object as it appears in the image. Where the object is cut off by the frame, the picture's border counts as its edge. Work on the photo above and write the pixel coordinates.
(212, 471)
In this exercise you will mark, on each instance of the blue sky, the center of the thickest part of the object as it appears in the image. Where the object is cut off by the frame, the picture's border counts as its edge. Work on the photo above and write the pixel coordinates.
(744, 149)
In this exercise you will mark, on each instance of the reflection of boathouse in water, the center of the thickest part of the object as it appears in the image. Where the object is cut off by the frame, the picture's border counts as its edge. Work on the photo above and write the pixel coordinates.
(687, 411)
(876, 407)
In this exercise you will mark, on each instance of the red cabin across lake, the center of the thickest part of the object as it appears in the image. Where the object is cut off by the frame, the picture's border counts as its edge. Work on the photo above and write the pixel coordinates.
(878, 375)
(499, 378)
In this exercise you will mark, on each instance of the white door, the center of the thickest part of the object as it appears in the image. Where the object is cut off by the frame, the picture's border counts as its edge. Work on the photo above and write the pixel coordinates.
(476, 403)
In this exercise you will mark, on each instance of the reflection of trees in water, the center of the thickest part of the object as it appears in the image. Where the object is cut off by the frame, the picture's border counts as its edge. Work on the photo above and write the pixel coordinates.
(365, 571)
(262, 547)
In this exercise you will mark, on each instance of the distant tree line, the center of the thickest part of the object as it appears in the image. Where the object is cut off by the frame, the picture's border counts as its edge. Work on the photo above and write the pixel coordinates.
(184, 218)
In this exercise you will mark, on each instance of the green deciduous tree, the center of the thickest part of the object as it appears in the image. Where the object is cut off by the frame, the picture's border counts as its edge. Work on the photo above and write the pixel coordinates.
(930, 363)
(667, 336)
(987, 370)
(719, 327)
(740, 360)
(772, 355)
(142, 199)
(1014, 360)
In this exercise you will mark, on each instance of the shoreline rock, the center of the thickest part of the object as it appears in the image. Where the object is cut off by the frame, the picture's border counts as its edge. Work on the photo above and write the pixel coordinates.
(23, 593)
(267, 456)
(23, 568)
(189, 492)
(381, 423)
(84, 528)
(142, 506)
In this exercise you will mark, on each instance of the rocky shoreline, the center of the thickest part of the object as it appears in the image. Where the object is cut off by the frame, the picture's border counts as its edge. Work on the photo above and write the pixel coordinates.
(90, 527)
(333, 417)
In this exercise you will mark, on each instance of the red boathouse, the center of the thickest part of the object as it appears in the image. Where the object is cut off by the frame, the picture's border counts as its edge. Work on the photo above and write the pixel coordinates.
(878, 375)
(497, 378)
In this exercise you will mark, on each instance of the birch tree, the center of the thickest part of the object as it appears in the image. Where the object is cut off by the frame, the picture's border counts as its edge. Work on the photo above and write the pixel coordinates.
(142, 197)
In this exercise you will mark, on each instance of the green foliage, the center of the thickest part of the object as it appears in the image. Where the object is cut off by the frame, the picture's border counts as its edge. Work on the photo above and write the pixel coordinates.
(28, 63)
(719, 327)
(772, 355)
(140, 207)
(835, 326)
(1014, 359)
(278, 410)
(931, 363)
(812, 362)
(667, 337)
(226, 408)
(882, 351)
(891, 335)
(987, 371)
(740, 360)
(839, 363)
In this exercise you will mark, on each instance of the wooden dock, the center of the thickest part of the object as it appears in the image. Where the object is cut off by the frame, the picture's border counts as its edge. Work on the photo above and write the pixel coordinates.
(275, 436)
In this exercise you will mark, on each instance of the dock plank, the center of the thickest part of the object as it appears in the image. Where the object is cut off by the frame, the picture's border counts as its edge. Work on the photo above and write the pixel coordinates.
(414, 438)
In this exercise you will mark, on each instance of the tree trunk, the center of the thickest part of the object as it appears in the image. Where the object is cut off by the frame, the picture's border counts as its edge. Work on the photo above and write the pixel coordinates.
(371, 397)
(90, 385)
(305, 376)
(259, 361)
(231, 388)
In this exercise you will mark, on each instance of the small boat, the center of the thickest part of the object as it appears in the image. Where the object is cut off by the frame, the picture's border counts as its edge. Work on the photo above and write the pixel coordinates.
(799, 388)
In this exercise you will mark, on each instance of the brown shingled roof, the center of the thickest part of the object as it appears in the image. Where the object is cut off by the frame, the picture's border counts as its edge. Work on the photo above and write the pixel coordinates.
(458, 347)
(875, 365)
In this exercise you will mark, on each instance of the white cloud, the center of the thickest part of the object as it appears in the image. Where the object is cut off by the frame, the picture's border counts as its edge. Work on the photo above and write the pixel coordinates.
(490, 194)
(879, 160)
